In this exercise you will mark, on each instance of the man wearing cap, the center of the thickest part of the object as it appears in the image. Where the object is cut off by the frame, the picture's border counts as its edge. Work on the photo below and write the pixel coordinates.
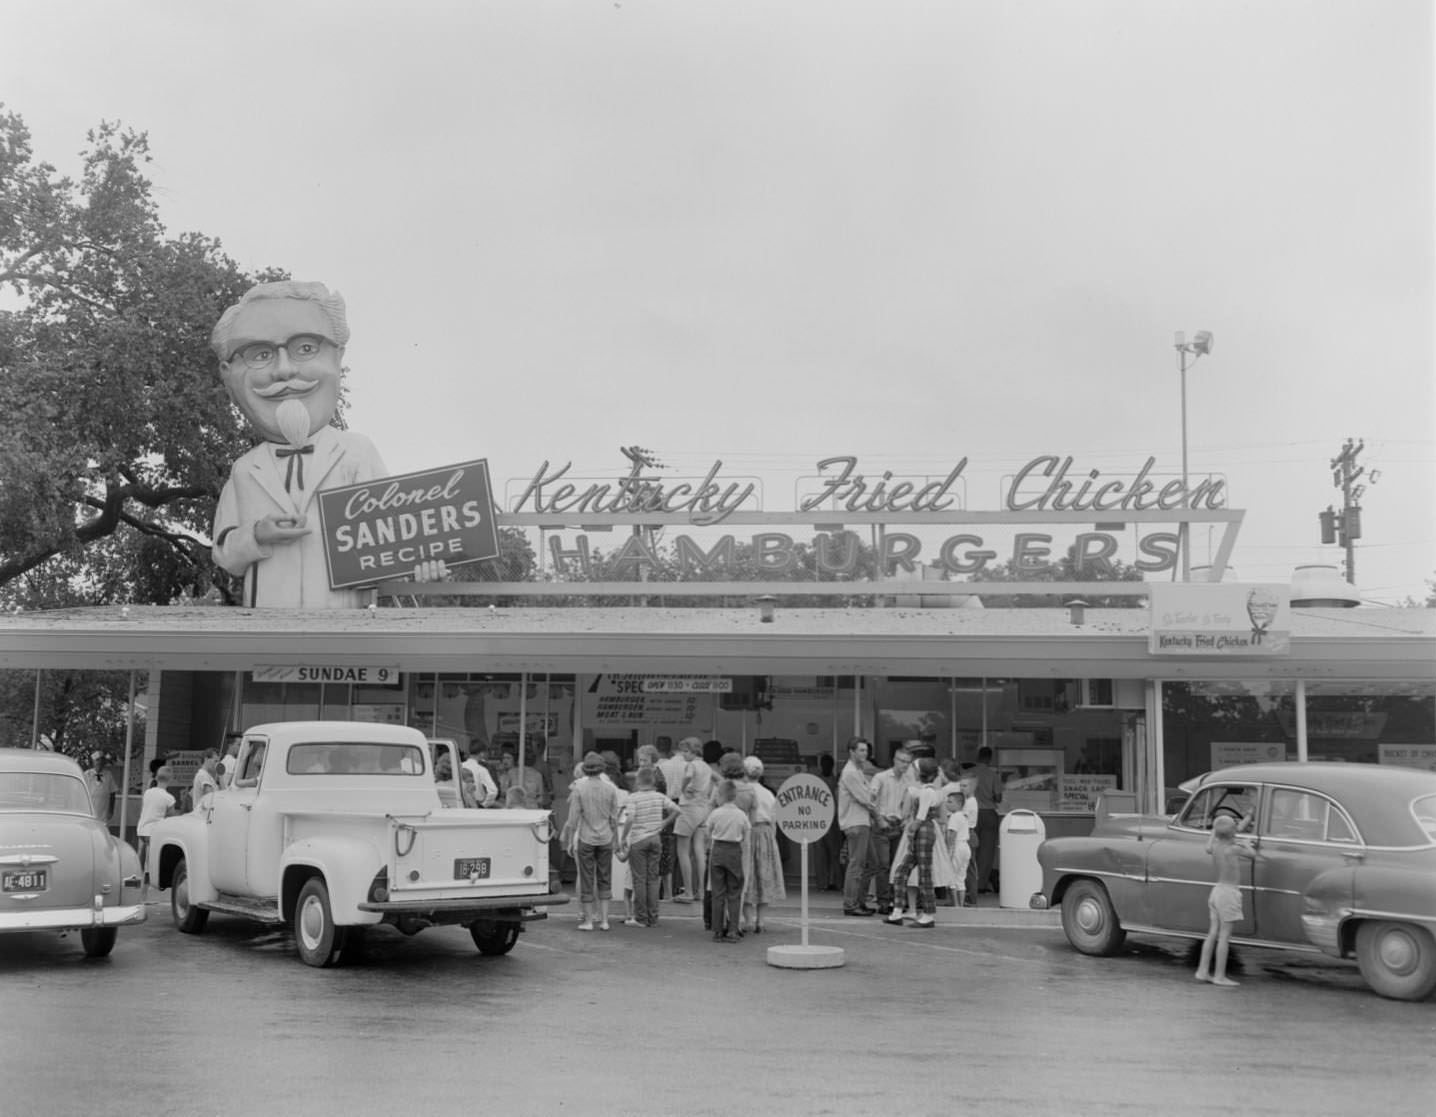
(591, 829)
(855, 815)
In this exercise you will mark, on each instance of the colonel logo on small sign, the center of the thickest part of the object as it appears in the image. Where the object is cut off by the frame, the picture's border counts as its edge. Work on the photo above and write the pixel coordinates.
(383, 529)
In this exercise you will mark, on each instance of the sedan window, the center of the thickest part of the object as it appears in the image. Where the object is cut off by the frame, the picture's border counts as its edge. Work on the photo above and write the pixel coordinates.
(1237, 801)
(1306, 816)
(43, 791)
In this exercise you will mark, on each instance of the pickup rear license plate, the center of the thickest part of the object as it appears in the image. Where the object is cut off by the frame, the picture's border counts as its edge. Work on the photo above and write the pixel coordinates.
(29, 880)
(466, 868)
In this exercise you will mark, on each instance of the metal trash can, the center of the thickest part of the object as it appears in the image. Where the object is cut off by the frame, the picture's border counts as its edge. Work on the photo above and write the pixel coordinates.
(1019, 874)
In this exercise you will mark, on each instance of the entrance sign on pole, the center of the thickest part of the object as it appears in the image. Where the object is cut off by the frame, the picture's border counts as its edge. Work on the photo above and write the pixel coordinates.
(804, 813)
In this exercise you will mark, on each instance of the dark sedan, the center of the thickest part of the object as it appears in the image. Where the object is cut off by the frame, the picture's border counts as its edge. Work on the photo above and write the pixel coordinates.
(1345, 864)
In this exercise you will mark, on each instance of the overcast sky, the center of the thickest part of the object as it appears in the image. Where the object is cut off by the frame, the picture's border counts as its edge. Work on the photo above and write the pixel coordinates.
(773, 232)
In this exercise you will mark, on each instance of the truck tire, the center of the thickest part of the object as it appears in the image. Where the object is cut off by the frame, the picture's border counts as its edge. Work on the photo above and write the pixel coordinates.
(187, 917)
(318, 940)
(1398, 960)
(98, 941)
(1089, 920)
(494, 938)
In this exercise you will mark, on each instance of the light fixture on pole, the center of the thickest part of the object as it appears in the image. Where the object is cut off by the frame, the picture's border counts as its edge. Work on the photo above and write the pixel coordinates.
(1199, 346)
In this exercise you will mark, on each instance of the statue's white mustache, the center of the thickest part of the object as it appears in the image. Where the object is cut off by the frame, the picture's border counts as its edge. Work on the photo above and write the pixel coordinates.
(286, 387)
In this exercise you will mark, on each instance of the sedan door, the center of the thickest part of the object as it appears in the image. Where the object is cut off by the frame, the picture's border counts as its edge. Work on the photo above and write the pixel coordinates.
(1180, 871)
(1302, 835)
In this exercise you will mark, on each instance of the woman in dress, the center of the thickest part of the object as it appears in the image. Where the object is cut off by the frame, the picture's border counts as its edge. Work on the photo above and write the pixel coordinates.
(763, 865)
(921, 839)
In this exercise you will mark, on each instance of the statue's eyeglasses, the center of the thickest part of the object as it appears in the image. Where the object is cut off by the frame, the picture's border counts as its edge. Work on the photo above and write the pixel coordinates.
(262, 354)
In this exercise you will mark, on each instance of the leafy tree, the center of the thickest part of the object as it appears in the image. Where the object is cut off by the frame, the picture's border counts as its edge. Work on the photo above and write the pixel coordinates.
(1429, 603)
(611, 566)
(1064, 569)
(115, 433)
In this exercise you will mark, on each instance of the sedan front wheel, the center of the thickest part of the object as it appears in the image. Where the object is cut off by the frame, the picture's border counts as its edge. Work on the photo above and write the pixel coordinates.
(1398, 960)
(1089, 920)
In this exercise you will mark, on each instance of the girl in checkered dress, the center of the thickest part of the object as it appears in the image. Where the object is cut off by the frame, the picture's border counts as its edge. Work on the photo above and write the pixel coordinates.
(922, 834)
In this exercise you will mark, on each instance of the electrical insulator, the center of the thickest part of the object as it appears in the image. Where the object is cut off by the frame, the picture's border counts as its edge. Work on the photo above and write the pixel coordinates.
(1328, 525)
(1353, 522)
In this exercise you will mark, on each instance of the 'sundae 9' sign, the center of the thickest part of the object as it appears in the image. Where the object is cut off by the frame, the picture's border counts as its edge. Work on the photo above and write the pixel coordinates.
(384, 528)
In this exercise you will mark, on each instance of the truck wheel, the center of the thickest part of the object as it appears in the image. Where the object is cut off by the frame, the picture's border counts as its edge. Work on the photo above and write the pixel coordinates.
(319, 941)
(1089, 920)
(188, 918)
(98, 941)
(494, 938)
(1398, 960)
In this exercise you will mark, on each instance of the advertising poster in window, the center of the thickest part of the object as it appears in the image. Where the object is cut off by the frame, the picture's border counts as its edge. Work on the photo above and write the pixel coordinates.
(1408, 756)
(1081, 792)
(629, 702)
(1225, 754)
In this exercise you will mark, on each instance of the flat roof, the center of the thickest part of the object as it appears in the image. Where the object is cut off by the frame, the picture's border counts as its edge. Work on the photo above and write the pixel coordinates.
(1360, 643)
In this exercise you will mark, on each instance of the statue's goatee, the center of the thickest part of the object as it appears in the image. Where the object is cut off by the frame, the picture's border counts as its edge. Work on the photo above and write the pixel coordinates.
(293, 419)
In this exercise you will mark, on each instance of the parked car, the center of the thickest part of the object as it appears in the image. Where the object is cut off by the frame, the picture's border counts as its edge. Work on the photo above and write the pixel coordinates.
(60, 867)
(1345, 865)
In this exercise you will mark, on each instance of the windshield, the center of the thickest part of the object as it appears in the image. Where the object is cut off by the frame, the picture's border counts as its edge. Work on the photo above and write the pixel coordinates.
(355, 758)
(43, 791)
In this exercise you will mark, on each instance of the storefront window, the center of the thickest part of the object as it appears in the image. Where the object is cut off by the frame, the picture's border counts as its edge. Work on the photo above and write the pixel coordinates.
(266, 702)
(1372, 723)
(1210, 725)
(1057, 743)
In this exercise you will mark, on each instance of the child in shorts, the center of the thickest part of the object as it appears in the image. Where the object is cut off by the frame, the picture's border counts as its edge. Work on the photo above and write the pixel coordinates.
(1225, 902)
(959, 835)
(156, 803)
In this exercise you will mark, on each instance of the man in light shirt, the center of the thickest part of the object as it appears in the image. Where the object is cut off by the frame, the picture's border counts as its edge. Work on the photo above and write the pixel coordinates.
(889, 789)
(855, 816)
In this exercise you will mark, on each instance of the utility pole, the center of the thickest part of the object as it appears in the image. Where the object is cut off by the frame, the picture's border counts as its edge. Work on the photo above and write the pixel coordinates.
(640, 458)
(1344, 527)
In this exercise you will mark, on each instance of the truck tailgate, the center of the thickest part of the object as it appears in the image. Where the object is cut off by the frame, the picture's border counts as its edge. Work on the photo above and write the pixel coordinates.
(452, 855)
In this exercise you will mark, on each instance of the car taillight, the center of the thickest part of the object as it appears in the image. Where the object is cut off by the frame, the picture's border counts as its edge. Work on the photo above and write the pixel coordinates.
(379, 887)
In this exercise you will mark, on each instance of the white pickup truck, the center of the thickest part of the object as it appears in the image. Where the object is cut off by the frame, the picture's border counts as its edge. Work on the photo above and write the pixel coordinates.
(336, 826)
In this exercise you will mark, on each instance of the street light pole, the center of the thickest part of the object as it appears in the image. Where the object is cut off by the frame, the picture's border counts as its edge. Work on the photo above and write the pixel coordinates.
(1199, 346)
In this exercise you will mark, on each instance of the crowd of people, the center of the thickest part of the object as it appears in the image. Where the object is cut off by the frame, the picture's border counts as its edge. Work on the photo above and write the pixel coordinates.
(697, 822)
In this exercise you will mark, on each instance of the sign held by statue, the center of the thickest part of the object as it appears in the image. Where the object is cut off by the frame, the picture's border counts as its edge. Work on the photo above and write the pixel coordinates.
(384, 528)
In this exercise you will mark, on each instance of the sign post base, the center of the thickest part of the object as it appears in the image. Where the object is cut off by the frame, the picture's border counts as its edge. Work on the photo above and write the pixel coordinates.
(806, 957)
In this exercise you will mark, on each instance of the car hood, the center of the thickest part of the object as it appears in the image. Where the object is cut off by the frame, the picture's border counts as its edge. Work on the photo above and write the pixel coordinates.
(70, 847)
(1132, 826)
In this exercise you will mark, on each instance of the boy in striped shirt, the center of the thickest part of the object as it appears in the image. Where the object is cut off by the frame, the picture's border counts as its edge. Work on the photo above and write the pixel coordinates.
(649, 813)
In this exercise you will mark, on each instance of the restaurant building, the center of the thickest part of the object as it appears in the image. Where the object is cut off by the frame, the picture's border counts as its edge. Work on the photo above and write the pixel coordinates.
(1073, 700)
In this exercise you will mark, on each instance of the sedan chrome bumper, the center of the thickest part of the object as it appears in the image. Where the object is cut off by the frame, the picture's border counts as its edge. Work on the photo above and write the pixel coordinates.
(68, 919)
